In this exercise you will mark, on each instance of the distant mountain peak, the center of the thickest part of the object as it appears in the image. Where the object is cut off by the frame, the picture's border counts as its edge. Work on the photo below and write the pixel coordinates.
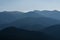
(11, 12)
(55, 10)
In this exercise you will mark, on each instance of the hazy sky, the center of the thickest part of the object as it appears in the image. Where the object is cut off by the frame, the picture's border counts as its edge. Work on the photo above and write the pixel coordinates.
(26, 5)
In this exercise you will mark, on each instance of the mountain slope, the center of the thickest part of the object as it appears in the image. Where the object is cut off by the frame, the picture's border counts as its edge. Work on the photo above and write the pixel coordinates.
(8, 17)
(53, 30)
(12, 33)
(51, 14)
(36, 24)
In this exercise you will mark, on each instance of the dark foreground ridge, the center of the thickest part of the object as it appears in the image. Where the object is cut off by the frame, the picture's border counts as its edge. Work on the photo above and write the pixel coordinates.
(12, 33)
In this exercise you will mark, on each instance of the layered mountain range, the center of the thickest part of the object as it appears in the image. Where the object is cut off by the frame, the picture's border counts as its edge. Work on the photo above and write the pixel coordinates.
(33, 20)
(33, 25)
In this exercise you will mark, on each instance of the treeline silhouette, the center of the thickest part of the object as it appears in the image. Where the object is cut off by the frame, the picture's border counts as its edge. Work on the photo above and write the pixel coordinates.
(53, 30)
(13, 33)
